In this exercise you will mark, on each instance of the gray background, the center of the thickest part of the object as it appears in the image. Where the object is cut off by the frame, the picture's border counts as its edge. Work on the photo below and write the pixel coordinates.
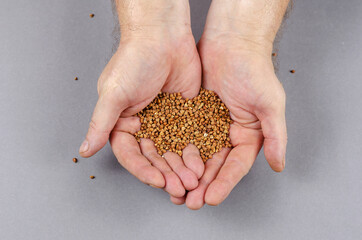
(44, 116)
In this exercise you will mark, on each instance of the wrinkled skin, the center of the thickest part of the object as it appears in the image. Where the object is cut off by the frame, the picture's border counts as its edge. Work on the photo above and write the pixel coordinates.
(158, 53)
(245, 81)
(137, 72)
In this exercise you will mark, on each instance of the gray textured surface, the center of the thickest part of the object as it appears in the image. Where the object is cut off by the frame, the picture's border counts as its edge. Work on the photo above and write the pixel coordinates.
(44, 115)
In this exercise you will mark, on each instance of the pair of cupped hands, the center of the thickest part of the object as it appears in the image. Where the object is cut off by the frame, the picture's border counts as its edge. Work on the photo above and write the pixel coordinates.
(241, 72)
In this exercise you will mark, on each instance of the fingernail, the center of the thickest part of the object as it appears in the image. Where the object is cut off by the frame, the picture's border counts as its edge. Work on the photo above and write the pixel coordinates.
(84, 147)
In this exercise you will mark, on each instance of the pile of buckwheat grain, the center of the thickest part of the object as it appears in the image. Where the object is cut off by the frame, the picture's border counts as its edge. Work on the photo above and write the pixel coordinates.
(173, 122)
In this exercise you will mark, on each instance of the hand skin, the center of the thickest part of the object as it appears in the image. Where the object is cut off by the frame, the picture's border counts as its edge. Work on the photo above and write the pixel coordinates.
(235, 51)
(157, 52)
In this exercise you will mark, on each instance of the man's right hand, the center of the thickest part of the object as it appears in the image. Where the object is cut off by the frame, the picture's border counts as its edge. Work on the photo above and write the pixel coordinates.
(154, 55)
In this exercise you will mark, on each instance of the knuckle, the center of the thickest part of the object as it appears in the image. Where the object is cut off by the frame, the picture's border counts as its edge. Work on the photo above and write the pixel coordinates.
(241, 169)
(203, 182)
(154, 155)
(93, 126)
(109, 88)
(226, 183)
(178, 168)
(213, 164)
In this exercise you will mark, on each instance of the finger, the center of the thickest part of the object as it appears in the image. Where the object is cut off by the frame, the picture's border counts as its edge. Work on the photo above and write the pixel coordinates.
(127, 151)
(195, 198)
(192, 160)
(236, 166)
(177, 200)
(275, 139)
(188, 178)
(129, 124)
(173, 184)
(132, 110)
(105, 116)
(187, 83)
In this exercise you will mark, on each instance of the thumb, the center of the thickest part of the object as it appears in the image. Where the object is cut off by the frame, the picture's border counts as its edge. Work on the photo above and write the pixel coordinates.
(109, 107)
(275, 138)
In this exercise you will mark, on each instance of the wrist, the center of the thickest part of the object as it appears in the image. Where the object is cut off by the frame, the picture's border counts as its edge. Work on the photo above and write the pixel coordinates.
(237, 43)
(255, 22)
(153, 19)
